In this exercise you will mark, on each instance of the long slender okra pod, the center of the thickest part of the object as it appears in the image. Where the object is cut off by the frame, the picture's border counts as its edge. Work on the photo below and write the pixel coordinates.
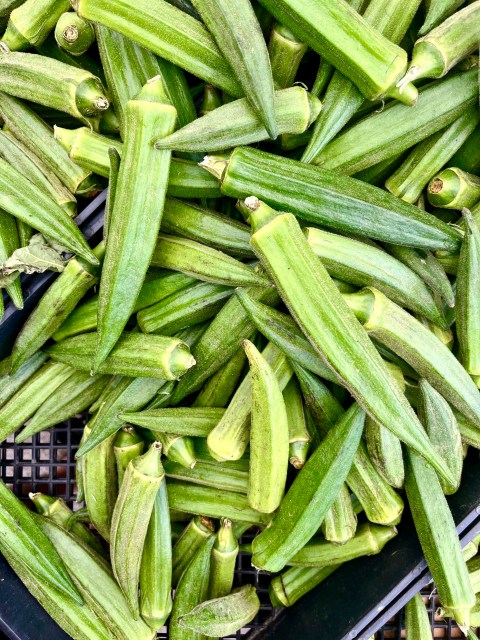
(168, 32)
(293, 186)
(209, 474)
(74, 34)
(136, 214)
(187, 421)
(299, 437)
(440, 544)
(11, 383)
(9, 242)
(219, 389)
(236, 123)
(239, 37)
(127, 446)
(454, 189)
(198, 530)
(286, 52)
(31, 22)
(314, 302)
(130, 520)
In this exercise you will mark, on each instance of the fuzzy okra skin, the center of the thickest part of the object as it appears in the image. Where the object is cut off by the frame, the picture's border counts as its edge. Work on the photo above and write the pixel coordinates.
(311, 494)
(127, 446)
(136, 214)
(185, 421)
(417, 620)
(236, 123)
(168, 32)
(286, 52)
(453, 188)
(325, 199)
(198, 530)
(316, 304)
(30, 24)
(224, 555)
(130, 520)
(74, 34)
(209, 475)
(299, 436)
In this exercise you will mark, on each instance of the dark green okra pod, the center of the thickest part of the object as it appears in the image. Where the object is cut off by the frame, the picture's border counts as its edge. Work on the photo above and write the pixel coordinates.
(453, 188)
(198, 530)
(30, 24)
(299, 437)
(224, 555)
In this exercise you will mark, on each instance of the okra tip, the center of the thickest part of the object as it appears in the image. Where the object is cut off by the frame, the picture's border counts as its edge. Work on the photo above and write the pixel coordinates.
(216, 165)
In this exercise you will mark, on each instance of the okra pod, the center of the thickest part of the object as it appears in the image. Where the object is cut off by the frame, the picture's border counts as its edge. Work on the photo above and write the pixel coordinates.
(136, 214)
(224, 555)
(204, 263)
(319, 309)
(72, 397)
(288, 587)
(236, 123)
(340, 522)
(365, 264)
(74, 34)
(11, 383)
(167, 32)
(219, 389)
(299, 437)
(293, 186)
(211, 100)
(453, 188)
(436, 53)
(209, 475)
(196, 533)
(440, 545)
(429, 156)
(417, 620)
(30, 24)
(178, 449)
(395, 129)
(127, 446)
(437, 12)
(186, 421)
(467, 157)
(135, 355)
(286, 52)
(9, 242)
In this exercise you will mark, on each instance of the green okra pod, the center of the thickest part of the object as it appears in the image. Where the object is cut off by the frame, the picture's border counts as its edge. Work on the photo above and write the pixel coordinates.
(30, 23)
(286, 52)
(319, 309)
(196, 533)
(225, 615)
(21, 536)
(55, 305)
(311, 494)
(74, 34)
(219, 389)
(94, 579)
(288, 587)
(467, 157)
(100, 483)
(294, 186)
(186, 421)
(429, 156)
(236, 123)
(442, 428)
(211, 100)
(130, 519)
(340, 522)
(387, 133)
(269, 435)
(167, 32)
(453, 188)
(209, 475)
(229, 439)
(365, 264)
(69, 399)
(437, 52)
(9, 242)
(440, 545)
(437, 12)
(10, 383)
(299, 437)
(57, 85)
(224, 555)
(135, 354)
(417, 620)
(127, 446)
(177, 448)
(204, 263)
(136, 214)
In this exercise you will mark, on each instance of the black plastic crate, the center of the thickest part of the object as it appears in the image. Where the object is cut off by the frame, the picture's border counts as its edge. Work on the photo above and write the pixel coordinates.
(342, 608)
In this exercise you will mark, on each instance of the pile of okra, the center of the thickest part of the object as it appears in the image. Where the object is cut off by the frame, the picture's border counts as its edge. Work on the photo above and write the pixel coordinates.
(279, 331)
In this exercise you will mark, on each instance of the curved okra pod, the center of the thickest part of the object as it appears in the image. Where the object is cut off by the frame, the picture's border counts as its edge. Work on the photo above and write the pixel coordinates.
(98, 469)
(9, 242)
(442, 428)
(294, 186)
(69, 399)
(286, 52)
(204, 263)
(74, 34)
(196, 533)
(236, 123)
(127, 446)
(136, 214)
(269, 435)
(224, 555)
(30, 24)
(318, 308)
(130, 519)
(219, 389)
(156, 564)
(299, 437)
(453, 188)
(25, 201)
(185, 421)
(311, 494)
(21, 536)
(55, 305)
(436, 53)
(57, 85)
(135, 355)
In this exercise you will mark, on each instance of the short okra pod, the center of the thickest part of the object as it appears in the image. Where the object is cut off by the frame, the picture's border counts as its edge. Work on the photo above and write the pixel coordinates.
(196, 533)
(127, 446)
(224, 615)
(453, 188)
(286, 52)
(74, 34)
(135, 355)
(30, 24)
(269, 435)
(224, 555)
(236, 123)
(130, 519)
(187, 421)
(178, 448)
(417, 620)
(299, 437)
